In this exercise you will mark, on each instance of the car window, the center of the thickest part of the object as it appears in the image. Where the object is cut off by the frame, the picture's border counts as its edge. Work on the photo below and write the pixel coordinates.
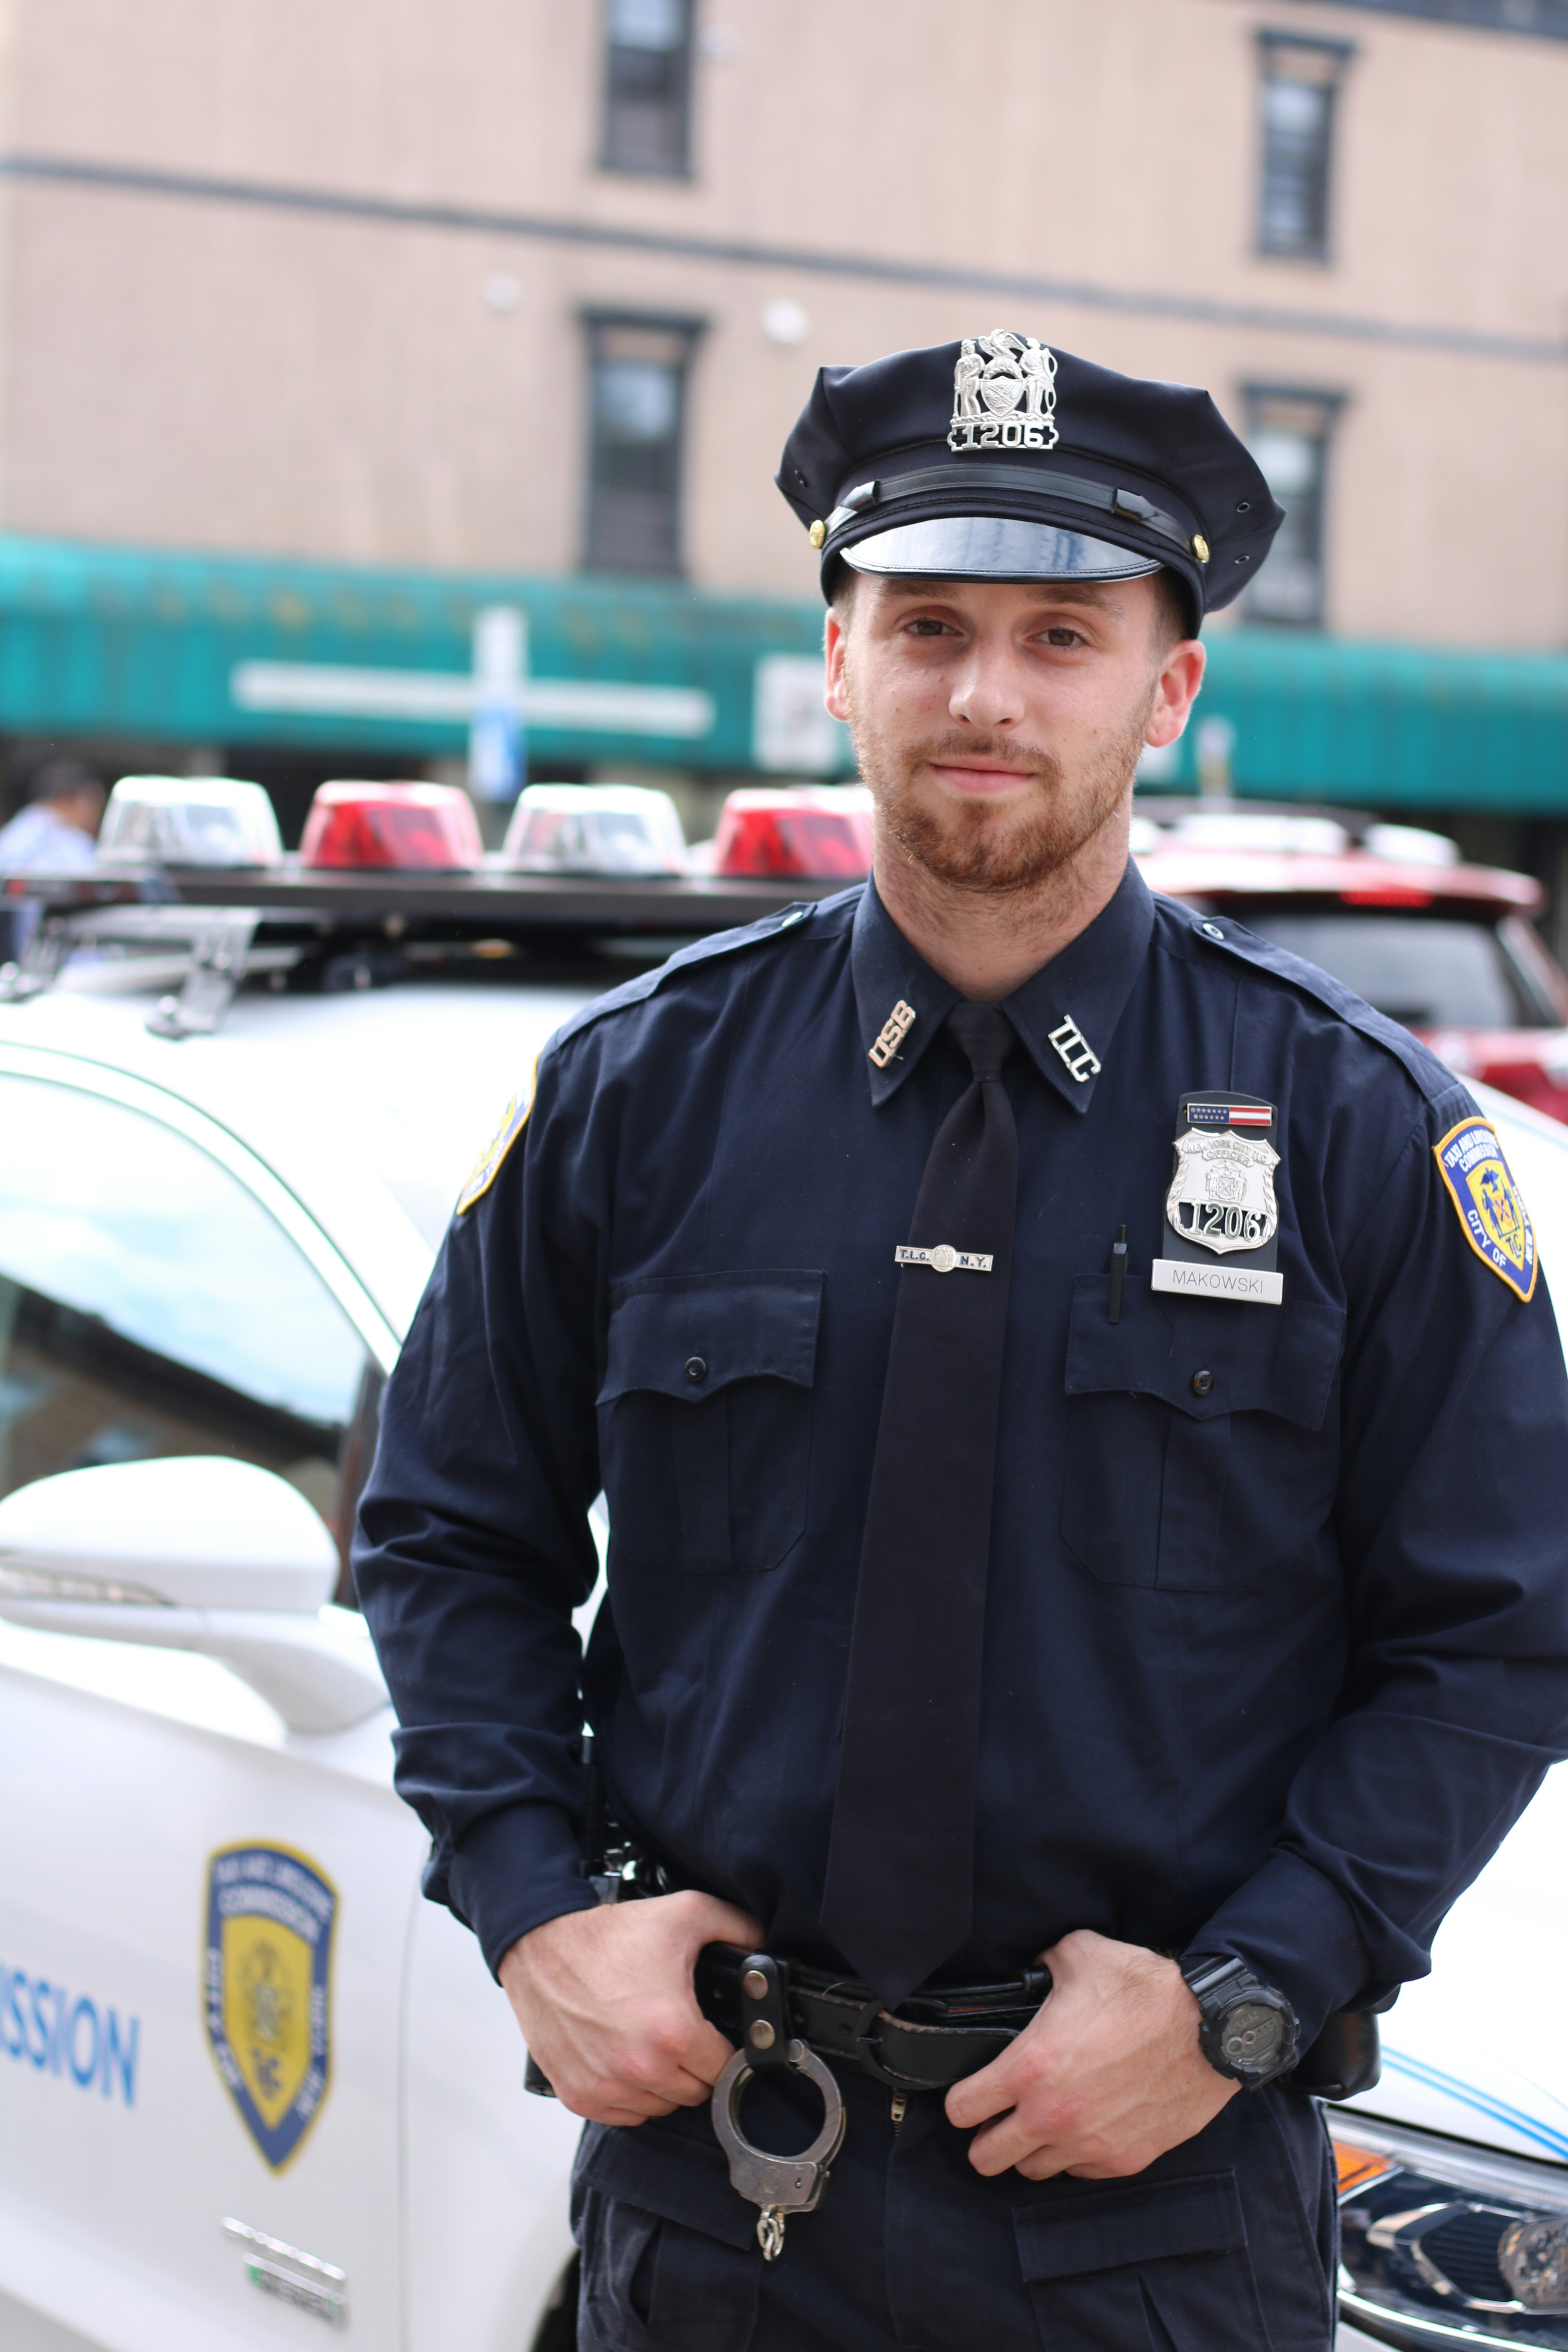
(1428, 972)
(150, 1305)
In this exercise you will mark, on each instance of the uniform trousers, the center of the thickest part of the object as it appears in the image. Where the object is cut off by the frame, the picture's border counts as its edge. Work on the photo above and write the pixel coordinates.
(1227, 2244)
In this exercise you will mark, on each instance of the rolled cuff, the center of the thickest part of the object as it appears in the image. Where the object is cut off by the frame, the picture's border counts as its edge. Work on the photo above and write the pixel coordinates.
(512, 1871)
(1295, 1931)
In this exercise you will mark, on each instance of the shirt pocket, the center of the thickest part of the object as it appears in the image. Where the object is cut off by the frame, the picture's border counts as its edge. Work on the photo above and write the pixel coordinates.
(1105, 2261)
(705, 1419)
(1201, 1455)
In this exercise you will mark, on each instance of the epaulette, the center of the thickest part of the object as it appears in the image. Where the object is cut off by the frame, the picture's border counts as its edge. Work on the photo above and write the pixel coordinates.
(706, 950)
(1431, 1076)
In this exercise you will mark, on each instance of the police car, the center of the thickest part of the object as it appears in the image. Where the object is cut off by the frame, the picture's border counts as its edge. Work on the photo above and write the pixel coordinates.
(254, 2084)
(1446, 948)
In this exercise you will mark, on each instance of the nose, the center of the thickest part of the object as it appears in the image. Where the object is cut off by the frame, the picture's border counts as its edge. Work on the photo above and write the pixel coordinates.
(988, 690)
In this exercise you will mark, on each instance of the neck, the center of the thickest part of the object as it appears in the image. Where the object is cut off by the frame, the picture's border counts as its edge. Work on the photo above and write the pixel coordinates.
(987, 943)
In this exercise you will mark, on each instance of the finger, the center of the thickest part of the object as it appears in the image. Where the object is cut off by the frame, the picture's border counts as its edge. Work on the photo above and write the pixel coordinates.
(725, 1923)
(1045, 2164)
(1002, 2145)
(707, 2055)
(992, 2092)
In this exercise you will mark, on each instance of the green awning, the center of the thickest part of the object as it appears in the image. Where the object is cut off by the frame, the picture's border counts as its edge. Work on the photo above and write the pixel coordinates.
(231, 650)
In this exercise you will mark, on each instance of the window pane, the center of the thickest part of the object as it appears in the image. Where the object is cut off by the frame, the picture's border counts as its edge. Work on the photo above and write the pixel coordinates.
(638, 388)
(1298, 118)
(149, 1306)
(647, 76)
(1427, 973)
(1291, 454)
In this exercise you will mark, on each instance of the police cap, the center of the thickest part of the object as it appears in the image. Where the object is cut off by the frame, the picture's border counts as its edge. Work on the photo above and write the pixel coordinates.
(998, 458)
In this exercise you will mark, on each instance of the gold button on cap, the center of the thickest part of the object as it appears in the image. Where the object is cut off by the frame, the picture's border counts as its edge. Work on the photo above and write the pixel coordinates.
(817, 533)
(1200, 547)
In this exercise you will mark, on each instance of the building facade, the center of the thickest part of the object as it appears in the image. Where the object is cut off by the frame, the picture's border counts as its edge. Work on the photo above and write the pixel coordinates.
(501, 292)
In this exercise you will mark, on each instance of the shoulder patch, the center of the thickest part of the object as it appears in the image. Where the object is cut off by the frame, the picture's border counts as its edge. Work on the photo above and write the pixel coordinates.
(487, 1166)
(1490, 1208)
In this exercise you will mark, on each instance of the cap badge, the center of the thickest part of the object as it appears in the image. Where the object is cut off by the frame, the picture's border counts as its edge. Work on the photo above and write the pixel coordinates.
(1004, 393)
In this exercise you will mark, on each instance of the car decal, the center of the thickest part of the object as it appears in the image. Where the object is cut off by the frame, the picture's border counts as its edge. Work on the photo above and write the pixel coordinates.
(1483, 2102)
(270, 1914)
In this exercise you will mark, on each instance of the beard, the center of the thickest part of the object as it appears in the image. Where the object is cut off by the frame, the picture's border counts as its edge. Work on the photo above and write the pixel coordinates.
(972, 846)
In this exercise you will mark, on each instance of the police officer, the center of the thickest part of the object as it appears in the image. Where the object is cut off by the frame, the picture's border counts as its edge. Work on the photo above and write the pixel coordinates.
(1083, 1432)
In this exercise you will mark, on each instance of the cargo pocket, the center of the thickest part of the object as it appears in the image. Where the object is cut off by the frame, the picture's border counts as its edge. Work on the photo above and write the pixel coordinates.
(669, 2251)
(705, 1419)
(1200, 1453)
(1145, 2261)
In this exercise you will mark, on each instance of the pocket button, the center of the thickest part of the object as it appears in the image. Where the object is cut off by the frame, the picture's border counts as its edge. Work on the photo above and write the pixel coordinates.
(696, 1370)
(1202, 1383)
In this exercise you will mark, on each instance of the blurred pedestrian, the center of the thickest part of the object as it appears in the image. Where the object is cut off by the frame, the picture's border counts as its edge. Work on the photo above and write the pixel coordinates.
(55, 832)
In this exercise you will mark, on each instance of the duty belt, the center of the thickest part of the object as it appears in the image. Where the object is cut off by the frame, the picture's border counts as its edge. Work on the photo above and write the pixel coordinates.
(781, 2014)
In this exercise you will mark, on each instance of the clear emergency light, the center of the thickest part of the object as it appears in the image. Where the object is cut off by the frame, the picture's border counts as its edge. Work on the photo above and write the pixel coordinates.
(188, 821)
(595, 829)
(821, 833)
(407, 825)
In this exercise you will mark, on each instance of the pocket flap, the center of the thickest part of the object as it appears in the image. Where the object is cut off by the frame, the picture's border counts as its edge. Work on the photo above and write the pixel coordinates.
(740, 1326)
(669, 2175)
(1139, 2221)
(1279, 1359)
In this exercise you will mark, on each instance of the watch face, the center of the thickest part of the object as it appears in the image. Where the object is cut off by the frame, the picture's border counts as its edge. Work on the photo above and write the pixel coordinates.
(1252, 2035)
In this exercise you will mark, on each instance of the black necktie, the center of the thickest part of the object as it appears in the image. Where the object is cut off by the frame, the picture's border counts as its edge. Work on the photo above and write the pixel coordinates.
(900, 1865)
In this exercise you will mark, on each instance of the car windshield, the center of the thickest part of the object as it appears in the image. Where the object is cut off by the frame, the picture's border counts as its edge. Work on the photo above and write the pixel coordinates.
(1427, 972)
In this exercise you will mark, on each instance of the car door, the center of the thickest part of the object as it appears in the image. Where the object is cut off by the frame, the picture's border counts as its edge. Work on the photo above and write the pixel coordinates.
(203, 1918)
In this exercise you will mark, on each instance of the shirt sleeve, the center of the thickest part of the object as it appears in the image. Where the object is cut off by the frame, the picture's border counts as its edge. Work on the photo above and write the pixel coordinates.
(474, 1545)
(1454, 1540)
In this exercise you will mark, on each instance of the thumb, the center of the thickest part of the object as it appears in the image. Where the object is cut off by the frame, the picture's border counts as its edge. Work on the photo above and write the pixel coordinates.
(715, 1922)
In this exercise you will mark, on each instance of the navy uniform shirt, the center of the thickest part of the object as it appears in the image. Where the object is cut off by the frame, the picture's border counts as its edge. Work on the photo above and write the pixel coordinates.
(1272, 1659)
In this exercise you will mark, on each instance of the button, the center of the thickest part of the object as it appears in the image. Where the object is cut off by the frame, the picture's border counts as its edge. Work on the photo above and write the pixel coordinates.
(1201, 1383)
(761, 2034)
(1211, 931)
(754, 1985)
(696, 1369)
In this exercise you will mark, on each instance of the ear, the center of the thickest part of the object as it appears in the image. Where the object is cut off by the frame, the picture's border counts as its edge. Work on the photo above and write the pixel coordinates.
(834, 642)
(1181, 675)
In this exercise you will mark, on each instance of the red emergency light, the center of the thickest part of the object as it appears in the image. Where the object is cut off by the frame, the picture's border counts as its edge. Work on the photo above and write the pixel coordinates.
(823, 836)
(430, 826)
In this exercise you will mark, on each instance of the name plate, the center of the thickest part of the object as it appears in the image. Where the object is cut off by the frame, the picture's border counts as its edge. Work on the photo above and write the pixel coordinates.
(1251, 1285)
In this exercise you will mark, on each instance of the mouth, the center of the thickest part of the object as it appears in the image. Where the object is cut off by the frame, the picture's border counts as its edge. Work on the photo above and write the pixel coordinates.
(982, 779)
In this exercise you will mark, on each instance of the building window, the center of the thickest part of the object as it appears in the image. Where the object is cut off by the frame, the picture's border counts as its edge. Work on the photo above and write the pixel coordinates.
(647, 86)
(638, 371)
(1289, 434)
(1299, 84)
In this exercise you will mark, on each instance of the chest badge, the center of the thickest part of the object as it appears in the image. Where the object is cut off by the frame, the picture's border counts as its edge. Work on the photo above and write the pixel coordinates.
(1222, 1206)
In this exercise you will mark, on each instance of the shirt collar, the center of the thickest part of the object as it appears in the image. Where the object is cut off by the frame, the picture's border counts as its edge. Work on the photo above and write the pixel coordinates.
(1066, 1013)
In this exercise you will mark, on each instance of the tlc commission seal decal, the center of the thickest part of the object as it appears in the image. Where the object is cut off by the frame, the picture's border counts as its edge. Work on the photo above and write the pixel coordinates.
(1495, 1219)
(270, 1914)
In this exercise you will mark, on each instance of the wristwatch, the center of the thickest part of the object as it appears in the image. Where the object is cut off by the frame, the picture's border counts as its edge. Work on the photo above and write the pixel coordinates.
(1246, 2030)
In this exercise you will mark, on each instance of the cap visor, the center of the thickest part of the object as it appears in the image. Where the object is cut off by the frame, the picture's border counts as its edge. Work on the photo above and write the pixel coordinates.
(993, 547)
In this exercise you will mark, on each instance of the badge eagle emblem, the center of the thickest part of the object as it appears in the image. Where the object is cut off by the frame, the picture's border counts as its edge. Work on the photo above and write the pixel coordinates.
(1222, 1196)
(1004, 393)
(270, 1914)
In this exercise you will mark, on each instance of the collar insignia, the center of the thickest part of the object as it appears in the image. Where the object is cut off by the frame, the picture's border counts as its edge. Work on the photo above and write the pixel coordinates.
(1004, 393)
(1495, 1219)
(891, 1035)
(1083, 1061)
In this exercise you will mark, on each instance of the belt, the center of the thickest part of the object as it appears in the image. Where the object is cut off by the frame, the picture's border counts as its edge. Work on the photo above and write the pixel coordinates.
(929, 2041)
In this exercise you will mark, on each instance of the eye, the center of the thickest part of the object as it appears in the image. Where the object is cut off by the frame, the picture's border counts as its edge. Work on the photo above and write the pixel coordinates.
(925, 624)
(1062, 636)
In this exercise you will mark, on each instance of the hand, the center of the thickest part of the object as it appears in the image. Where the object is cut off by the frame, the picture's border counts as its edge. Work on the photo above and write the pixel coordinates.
(1106, 2078)
(605, 2004)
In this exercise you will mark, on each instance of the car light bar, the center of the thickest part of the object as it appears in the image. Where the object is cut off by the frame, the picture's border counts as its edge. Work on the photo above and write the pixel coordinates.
(595, 829)
(821, 831)
(413, 826)
(188, 821)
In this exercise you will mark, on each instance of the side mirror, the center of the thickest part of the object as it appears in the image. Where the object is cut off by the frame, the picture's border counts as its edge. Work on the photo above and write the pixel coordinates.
(197, 1553)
